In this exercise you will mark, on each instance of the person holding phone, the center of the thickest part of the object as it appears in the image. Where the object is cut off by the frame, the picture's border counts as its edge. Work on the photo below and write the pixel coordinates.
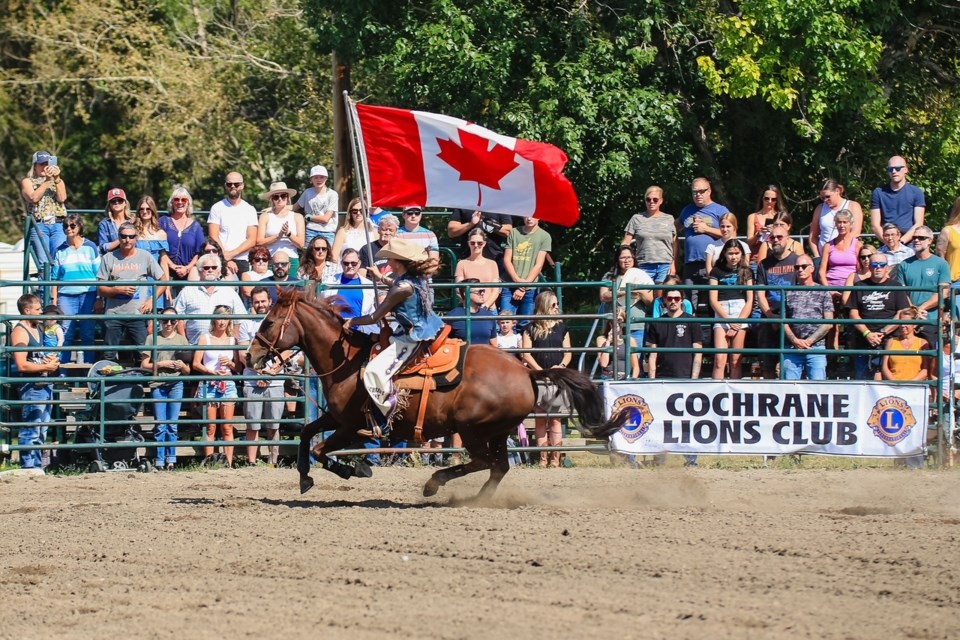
(44, 193)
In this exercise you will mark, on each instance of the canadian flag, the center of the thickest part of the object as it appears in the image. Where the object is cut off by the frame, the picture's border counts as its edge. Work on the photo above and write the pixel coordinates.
(434, 160)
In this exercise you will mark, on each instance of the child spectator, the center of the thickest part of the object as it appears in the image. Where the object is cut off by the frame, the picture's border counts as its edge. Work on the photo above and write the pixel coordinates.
(52, 331)
(732, 306)
(507, 336)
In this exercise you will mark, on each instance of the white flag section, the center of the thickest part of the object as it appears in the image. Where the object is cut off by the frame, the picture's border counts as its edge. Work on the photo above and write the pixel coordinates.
(868, 419)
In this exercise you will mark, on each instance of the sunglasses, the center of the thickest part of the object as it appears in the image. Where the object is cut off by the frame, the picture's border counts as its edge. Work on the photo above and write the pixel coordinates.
(878, 265)
(72, 225)
(673, 298)
(766, 199)
(653, 200)
(232, 184)
(319, 248)
(921, 238)
(477, 244)
(210, 267)
(259, 259)
(412, 213)
(866, 256)
(804, 266)
(142, 209)
(180, 201)
(350, 264)
(170, 321)
(356, 210)
(699, 192)
(117, 201)
(211, 250)
(777, 237)
(128, 236)
(285, 265)
(895, 169)
(278, 196)
(478, 290)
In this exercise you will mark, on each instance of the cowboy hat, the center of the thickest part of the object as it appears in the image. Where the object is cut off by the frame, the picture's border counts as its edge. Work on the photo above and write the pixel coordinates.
(405, 250)
(278, 187)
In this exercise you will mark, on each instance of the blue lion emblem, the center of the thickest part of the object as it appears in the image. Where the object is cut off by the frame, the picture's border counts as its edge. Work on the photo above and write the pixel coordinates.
(891, 419)
(639, 416)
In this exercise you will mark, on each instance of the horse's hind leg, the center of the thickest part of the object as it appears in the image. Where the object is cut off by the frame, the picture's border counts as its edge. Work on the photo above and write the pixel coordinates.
(479, 460)
(499, 466)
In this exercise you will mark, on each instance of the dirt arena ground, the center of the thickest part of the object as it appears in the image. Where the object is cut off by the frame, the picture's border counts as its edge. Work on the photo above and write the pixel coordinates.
(568, 553)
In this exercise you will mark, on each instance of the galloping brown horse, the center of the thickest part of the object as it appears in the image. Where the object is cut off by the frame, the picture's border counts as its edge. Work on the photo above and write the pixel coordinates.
(495, 395)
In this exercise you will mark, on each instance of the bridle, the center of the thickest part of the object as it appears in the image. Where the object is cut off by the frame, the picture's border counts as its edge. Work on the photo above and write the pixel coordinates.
(271, 347)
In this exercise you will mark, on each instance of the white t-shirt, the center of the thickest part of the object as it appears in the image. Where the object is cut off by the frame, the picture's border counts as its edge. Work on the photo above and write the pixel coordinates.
(314, 204)
(234, 221)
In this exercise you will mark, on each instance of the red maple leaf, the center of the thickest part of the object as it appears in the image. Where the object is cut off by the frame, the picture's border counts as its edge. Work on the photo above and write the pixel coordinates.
(476, 162)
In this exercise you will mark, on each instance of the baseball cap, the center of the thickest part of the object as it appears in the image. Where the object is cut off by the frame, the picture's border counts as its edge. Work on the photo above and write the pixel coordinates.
(42, 157)
(412, 207)
(116, 192)
(319, 170)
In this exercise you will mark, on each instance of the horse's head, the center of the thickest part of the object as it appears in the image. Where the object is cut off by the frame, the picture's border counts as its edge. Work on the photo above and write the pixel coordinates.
(278, 332)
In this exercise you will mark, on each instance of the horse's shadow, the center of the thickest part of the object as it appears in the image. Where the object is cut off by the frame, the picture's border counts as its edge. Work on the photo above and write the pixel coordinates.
(339, 504)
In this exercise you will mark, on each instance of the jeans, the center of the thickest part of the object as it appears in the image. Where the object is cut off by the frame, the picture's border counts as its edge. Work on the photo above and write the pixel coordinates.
(45, 239)
(118, 332)
(373, 459)
(658, 271)
(814, 360)
(38, 414)
(167, 414)
(74, 304)
(523, 308)
(310, 234)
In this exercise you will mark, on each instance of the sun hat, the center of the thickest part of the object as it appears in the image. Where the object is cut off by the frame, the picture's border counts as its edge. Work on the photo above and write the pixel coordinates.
(319, 170)
(278, 187)
(405, 250)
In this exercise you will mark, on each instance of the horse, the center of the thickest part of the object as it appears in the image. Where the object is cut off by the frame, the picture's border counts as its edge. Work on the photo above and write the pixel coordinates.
(495, 394)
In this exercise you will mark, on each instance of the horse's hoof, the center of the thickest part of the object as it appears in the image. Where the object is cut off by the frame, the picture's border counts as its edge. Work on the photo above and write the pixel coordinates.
(305, 484)
(431, 488)
(363, 470)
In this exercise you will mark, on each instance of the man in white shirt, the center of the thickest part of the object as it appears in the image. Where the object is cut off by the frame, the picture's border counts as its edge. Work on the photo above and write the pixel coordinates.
(318, 204)
(233, 224)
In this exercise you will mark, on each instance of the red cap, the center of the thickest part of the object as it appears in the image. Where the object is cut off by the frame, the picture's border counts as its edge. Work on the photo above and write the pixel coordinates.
(116, 192)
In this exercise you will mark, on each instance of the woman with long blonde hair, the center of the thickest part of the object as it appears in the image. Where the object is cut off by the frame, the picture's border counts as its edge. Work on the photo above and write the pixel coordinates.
(351, 234)
(217, 363)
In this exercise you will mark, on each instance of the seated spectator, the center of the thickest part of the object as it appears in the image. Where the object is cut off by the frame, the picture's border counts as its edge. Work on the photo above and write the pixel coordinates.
(211, 246)
(523, 260)
(281, 274)
(318, 204)
(822, 226)
(281, 229)
(893, 248)
(77, 259)
(259, 269)
(862, 271)
(907, 364)
(218, 363)
(185, 235)
(118, 212)
(927, 276)
(623, 272)
(202, 300)
(478, 268)
(794, 246)
(879, 301)
(613, 337)
(353, 234)
(728, 231)
(659, 306)
(412, 231)
(170, 361)
(154, 240)
(547, 333)
(840, 254)
(806, 341)
(732, 306)
(318, 263)
(482, 330)
(358, 302)
(370, 266)
(655, 234)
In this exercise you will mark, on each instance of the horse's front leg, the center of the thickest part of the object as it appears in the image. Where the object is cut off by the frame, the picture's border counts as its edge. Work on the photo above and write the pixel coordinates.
(323, 423)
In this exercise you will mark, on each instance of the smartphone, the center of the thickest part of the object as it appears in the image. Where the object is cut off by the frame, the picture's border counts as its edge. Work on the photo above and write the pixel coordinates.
(53, 161)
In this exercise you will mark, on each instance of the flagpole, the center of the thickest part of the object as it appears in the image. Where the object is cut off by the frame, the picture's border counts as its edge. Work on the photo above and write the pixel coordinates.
(360, 174)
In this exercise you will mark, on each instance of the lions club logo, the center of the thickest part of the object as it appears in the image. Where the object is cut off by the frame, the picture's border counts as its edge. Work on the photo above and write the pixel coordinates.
(891, 419)
(639, 416)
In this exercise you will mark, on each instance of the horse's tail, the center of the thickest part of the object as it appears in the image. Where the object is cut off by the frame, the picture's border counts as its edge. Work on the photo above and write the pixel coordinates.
(586, 398)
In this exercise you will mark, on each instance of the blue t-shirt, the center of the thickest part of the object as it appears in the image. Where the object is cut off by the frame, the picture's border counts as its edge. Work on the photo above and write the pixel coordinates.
(897, 206)
(695, 245)
(928, 273)
(481, 331)
(353, 298)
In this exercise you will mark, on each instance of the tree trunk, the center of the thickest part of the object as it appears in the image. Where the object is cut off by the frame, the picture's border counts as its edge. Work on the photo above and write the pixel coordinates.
(342, 153)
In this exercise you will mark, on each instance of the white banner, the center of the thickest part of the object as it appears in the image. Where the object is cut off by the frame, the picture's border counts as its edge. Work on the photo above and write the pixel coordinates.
(749, 417)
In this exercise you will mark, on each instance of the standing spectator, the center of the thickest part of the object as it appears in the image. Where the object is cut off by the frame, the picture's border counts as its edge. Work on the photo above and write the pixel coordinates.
(894, 248)
(232, 224)
(613, 337)
(806, 341)
(840, 254)
(202, 300)
(265, 400)
(118, 212)
(926, 271)
(898, 202)
(507, 336)
(373, 267)
(153, 239)
(760, 222)
(822, 227)
(547, 333)
(127, 263)
(218, 363)
(880, 300)
(624, 272)
(778, 269)
(77, 259)
(170, 361)
(319, 205)
(355, 232)
(281, 274)
(862, 271)
(482, 331)
(32, 364)
(412, 231)
(659, 305)
(655, 233)
(479, 267)
(523, 258)
(259, 269)
(184, 234)
(495, 226)
(732, 305)
(44, 193)
(318, 262)
(728, 231)
(281, 229)
(700, 224)
(948, 243)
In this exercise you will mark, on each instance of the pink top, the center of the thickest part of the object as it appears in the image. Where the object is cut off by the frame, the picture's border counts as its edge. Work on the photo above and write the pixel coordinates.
(484, 270)
(842, 263)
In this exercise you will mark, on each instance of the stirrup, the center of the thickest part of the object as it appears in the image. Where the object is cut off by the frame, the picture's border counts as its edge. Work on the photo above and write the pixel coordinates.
(378, 425)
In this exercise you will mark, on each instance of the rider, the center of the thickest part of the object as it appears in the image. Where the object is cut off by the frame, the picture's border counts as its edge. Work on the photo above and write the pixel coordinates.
(411, 301)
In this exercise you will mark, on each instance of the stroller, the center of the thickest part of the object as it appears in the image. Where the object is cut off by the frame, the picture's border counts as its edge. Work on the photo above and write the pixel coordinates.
(121, 402)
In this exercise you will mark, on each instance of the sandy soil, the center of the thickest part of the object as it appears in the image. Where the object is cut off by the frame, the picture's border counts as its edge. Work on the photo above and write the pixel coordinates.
(569, 553)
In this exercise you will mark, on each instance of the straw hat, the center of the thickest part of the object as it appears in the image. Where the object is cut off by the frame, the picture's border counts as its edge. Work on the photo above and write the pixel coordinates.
(402, 250)
(278, 187)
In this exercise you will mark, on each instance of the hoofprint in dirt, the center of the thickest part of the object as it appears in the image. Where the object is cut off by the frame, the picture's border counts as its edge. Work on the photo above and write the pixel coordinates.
(569, 553)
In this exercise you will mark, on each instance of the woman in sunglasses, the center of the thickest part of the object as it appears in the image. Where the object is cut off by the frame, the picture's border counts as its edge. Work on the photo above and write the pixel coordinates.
(281, 228)
(655, 234)
(760, 222)
(169, 361)
(318, 264)
(479, 267)
(184, 234)
(153, 239)
(351, 234)
(76, 259)
(118, 212)
(259, 269)
(211, 246)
